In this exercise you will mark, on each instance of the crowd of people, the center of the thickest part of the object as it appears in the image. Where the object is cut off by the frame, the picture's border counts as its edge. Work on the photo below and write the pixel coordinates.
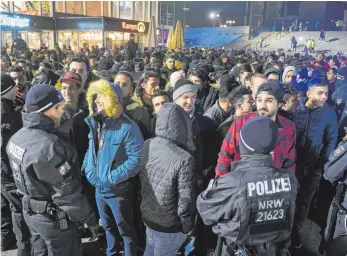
(171, 149)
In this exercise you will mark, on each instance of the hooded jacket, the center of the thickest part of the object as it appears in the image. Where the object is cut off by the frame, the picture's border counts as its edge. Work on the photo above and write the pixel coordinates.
(286, 70)
(48, 170)
(167, 173)
(115, 141)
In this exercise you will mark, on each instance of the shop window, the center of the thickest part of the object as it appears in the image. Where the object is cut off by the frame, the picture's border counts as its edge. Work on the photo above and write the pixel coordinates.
(125, 8)
(114, 39)
(6, 39)
(28, 7)
(90, 38)
(68, 38)
(93, 8)
(74, 7)
(139, 5)
(33, 7)
(47, 39)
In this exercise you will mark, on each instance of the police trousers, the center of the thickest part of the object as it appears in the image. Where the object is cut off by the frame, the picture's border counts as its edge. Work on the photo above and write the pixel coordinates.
(9, 193)
(47, 238)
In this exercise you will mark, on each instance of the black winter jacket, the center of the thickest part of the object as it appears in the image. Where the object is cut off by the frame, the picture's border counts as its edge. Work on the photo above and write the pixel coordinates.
(316, 135)
(167, 173)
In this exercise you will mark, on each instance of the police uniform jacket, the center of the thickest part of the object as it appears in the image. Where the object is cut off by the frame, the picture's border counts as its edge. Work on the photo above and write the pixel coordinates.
(46, 169)
(252, 205)
(336, 170)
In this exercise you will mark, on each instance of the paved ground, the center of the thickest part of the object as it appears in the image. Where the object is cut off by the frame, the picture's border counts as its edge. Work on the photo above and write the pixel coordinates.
(311, 240)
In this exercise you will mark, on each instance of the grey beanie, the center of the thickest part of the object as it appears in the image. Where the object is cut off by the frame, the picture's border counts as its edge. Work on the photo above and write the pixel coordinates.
(182, 86)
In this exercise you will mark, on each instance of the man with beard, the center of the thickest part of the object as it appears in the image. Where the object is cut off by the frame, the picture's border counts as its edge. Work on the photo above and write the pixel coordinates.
(207, 95)
(269, 98)
(133, 109)
(18, 75)
(316, 126)
(148, 86)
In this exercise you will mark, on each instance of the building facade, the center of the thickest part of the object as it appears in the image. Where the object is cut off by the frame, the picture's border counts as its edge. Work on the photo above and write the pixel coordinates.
(77, 23)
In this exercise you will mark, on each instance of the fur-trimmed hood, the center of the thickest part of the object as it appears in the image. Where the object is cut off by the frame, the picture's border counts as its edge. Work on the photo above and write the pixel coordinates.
(114, 107)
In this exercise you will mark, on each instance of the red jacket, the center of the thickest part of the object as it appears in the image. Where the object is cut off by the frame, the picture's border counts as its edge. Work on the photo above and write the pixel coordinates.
(284, 154)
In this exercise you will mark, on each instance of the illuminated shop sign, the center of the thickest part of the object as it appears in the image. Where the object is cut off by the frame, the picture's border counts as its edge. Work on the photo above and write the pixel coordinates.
(13, 21)
(139, 27)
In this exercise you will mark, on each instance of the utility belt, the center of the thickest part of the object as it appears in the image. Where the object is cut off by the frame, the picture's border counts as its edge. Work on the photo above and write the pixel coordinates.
(32, 206)
(240, 250)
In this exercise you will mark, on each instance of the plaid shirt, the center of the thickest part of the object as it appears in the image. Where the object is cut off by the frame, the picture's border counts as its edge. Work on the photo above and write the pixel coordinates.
(284, 153)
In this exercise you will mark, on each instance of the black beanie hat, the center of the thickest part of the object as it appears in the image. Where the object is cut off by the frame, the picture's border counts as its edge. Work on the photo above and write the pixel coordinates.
(258, 136)
(42, 97)
(7, 83)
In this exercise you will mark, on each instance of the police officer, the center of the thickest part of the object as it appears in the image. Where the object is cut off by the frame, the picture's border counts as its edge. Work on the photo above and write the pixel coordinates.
(46, 172)
(253, 206)
(10, 124)
(335, 170)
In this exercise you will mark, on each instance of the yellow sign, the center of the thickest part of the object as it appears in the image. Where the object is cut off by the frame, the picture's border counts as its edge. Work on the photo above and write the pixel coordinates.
(139, 27)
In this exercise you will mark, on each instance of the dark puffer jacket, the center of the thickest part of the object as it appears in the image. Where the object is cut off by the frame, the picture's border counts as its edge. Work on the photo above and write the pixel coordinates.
(316, 135)
(167, 173)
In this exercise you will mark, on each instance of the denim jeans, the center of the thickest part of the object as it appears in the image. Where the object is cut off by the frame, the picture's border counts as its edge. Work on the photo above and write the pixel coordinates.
(116, 211)
(163, 244)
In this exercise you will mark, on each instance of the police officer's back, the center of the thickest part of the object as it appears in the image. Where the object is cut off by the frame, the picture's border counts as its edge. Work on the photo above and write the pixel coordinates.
(334, 171)
(253, 206)
(47, 173)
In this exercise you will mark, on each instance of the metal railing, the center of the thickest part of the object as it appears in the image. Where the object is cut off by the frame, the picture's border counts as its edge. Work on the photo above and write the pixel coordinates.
(281, 34)
(248, 46)
(266, 41)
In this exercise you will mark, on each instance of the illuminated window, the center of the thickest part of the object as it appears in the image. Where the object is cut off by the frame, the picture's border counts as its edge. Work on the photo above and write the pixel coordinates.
(125, 9)
(33, 7)
(139, 5)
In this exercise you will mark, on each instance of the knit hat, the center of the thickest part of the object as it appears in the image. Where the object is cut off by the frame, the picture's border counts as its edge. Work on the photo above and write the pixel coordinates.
(42, 97)
(273, 88)
(342, 73)
(7, 83)
(183, 86)
(250, 141)
(272, 70)
(72, 77)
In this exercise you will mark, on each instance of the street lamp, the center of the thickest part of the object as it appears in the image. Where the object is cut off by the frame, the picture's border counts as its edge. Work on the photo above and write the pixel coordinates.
(213, 16)
(230, 22)
(185, 9)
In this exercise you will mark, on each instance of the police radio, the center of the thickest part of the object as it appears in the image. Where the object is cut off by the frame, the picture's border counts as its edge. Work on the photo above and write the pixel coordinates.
(63, 220)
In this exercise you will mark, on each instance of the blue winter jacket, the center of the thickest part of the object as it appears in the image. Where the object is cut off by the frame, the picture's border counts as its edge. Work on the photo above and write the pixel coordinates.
(316, 135)
(114, 150)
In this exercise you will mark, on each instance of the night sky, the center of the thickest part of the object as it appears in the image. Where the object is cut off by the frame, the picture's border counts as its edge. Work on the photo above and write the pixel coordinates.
(198, 15)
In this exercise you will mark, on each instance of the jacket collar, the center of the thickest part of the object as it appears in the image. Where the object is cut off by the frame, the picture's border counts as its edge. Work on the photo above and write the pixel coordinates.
(38, 121)
(253, 161)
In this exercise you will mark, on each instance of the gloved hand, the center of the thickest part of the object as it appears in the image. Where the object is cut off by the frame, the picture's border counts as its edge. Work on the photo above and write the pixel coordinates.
(95, 233)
